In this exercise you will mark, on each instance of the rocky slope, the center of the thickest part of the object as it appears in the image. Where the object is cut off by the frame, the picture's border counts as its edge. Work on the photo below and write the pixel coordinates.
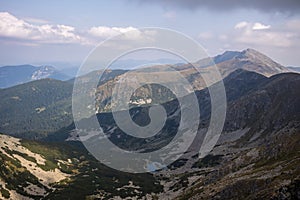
(257, 155)
(26, 174)
(33, 170)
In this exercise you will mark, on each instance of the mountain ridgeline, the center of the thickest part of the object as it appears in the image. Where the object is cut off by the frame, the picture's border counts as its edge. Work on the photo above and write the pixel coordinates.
(44, 106)
(250, 60)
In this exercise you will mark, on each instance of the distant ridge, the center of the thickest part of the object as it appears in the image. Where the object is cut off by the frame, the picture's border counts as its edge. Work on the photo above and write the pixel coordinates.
(14, 75)
(294, 69)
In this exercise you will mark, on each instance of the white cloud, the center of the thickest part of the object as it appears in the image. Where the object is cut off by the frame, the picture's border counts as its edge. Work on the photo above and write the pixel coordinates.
(106, 32)
(41, 33)
(259, 26)
(10, 26)
(128, 33)
(262, 35)
(254, 26)
(280, 39)
(241, 25)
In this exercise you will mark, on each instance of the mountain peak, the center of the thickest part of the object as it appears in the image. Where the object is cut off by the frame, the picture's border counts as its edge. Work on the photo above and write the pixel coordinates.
(43, 72)
(254, 54)
(247, 53)
(249, 50)
(227, 55)
(248, 59)
(47, 67)
(260, 59)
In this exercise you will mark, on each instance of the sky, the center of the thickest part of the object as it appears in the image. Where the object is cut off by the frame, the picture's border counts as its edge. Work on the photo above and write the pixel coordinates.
(62, 33)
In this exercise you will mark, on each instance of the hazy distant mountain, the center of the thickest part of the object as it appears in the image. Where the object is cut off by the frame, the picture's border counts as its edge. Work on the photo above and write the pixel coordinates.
(14, 75)
(294, 69)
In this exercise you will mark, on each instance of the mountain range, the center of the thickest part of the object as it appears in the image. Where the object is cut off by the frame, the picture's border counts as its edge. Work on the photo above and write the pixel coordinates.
(256, 157)
(33, 108)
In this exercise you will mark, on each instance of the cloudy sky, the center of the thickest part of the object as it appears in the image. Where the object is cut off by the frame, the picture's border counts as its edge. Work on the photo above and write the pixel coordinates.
(57, 32)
